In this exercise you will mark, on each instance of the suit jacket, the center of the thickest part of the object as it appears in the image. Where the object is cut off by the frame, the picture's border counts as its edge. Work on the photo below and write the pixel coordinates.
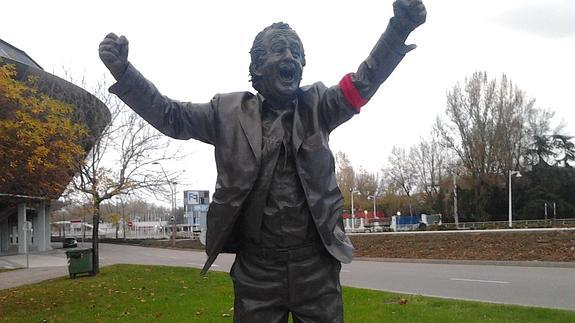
(232, 123)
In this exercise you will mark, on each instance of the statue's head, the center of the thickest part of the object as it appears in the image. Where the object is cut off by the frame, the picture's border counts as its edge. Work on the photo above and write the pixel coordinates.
(277, 62)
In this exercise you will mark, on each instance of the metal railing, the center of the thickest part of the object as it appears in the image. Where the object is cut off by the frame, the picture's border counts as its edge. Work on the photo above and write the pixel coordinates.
(517, 224)
(488, 225)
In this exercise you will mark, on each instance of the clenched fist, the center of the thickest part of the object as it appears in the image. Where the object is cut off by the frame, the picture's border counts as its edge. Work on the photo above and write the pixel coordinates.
(113, 52)
(408, 15)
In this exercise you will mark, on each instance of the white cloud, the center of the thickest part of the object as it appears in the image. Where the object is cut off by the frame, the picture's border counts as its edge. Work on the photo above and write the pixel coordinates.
(549, 18)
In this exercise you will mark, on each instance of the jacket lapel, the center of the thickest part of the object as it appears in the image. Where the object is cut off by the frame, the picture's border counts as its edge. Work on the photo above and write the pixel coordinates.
(251, 122)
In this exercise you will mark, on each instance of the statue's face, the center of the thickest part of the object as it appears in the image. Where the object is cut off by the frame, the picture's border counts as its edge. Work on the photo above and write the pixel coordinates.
(282, 66)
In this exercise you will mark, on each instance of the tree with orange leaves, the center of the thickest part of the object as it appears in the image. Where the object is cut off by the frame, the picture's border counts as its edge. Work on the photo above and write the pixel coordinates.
(40, 146)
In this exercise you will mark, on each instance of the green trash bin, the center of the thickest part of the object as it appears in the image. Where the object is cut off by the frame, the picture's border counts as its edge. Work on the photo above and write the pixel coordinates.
(79, 261)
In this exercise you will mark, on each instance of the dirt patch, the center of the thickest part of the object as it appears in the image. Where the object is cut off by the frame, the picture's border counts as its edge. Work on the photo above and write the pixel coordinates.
(514, 246)
(499, 246)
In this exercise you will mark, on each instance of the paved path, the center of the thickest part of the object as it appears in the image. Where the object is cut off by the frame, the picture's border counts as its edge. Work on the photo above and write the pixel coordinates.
(523, 285)
(46, 265)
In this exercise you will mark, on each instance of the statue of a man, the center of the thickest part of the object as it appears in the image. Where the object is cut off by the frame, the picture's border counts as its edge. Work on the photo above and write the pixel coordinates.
(276, 204)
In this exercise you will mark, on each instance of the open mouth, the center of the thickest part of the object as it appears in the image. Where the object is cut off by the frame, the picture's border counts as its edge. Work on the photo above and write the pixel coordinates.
(287, 72)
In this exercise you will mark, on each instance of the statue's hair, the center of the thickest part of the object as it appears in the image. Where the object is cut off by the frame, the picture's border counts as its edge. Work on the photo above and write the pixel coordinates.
(258, 50)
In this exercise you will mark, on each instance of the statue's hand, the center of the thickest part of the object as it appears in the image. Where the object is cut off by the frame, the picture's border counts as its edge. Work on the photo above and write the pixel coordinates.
(408, 14)
(113, 52)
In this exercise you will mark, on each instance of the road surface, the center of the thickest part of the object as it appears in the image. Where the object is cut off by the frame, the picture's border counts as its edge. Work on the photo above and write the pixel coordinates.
(533, 286)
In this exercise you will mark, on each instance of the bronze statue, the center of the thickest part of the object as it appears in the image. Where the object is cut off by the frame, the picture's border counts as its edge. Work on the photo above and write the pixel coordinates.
(276, 204)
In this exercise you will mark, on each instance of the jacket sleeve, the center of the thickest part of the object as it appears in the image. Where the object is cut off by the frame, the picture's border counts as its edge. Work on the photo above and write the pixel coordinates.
(180, 120)
(355, 89)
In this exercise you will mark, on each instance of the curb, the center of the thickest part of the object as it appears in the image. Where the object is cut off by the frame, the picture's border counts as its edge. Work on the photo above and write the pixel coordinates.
(534, 263)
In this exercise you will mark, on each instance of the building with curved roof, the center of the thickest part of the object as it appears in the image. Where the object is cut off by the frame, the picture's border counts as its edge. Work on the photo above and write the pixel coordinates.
(19, 207)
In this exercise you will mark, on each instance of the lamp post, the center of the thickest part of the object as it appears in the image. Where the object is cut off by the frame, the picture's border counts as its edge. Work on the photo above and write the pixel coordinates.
(372, 197)
(174, 207)
(511, 173)
(455, 213)
(352, 213)
(352, 191)
(172, 200)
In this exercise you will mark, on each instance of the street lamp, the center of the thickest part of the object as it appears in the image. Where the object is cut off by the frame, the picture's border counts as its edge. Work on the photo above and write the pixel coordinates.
(351, 191)
(172, 200)
(370, 197)
(518, 174)
(455, 214)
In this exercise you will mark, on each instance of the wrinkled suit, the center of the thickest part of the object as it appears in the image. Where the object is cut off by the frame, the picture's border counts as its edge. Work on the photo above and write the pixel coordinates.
(232, 124)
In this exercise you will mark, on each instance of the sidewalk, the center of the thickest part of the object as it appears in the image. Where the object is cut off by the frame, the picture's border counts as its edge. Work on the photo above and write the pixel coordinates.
(42, 266)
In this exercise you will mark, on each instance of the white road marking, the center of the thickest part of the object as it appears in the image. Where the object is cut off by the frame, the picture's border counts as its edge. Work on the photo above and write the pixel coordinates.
(201, 265)
(480, 281)
(345, 271)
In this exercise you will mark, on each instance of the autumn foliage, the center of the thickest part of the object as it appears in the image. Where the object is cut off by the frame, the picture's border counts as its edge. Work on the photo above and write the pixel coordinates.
(39, 142)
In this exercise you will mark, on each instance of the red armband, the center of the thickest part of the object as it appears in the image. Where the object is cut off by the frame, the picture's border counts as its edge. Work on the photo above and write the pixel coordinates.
(351, 93)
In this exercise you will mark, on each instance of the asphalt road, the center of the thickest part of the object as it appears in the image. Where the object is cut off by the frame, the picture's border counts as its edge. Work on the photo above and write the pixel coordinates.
(533, 286)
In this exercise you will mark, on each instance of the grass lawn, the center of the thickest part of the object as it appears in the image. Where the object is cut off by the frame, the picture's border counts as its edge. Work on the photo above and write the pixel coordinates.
(7, 269)
(174, 294)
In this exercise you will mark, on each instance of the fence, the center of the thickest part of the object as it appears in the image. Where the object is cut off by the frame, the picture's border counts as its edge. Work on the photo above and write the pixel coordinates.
(137, 231)
(517, 224)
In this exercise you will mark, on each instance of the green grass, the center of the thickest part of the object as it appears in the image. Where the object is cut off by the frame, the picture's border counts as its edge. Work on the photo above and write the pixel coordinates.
(3, 270)
(173, 294)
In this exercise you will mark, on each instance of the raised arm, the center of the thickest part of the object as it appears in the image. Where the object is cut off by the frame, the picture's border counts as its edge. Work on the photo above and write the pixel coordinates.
(180, 120)
(355, 89)
(390, 48)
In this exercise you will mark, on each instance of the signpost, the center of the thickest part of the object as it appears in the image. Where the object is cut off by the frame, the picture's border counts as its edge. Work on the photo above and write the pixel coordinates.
(27, 226)
(173, 220)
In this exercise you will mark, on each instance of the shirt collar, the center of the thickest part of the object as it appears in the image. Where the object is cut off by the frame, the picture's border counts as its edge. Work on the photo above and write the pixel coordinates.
(290, 105)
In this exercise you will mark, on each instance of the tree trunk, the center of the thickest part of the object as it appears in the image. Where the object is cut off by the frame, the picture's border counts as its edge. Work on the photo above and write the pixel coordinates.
(95, 238)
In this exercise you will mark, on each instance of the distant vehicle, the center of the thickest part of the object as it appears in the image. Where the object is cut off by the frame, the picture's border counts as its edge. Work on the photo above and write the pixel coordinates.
(69, 243)
(414, 222)
(377, 225)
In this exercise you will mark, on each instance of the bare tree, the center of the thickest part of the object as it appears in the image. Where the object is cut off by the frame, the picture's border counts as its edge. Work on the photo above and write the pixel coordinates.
(345, 176)
(366, 184)
(400, 174)
(485, 128)
(120, 162)
(429, 161)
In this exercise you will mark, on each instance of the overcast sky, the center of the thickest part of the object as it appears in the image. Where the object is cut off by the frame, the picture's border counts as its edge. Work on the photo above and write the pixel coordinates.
(193, 50)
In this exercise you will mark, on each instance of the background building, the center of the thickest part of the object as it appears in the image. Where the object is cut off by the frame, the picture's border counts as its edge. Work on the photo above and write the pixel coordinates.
(22, 210)
(196, 208)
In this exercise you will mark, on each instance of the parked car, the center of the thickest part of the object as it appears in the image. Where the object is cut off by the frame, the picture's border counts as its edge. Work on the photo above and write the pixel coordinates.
(69, 243)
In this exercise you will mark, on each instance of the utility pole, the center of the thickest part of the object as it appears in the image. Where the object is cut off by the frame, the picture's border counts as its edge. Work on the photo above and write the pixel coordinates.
(554, 211)
(455, 214)
(174, 226)
(352, 213)
(173, 202)
(511, 173)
